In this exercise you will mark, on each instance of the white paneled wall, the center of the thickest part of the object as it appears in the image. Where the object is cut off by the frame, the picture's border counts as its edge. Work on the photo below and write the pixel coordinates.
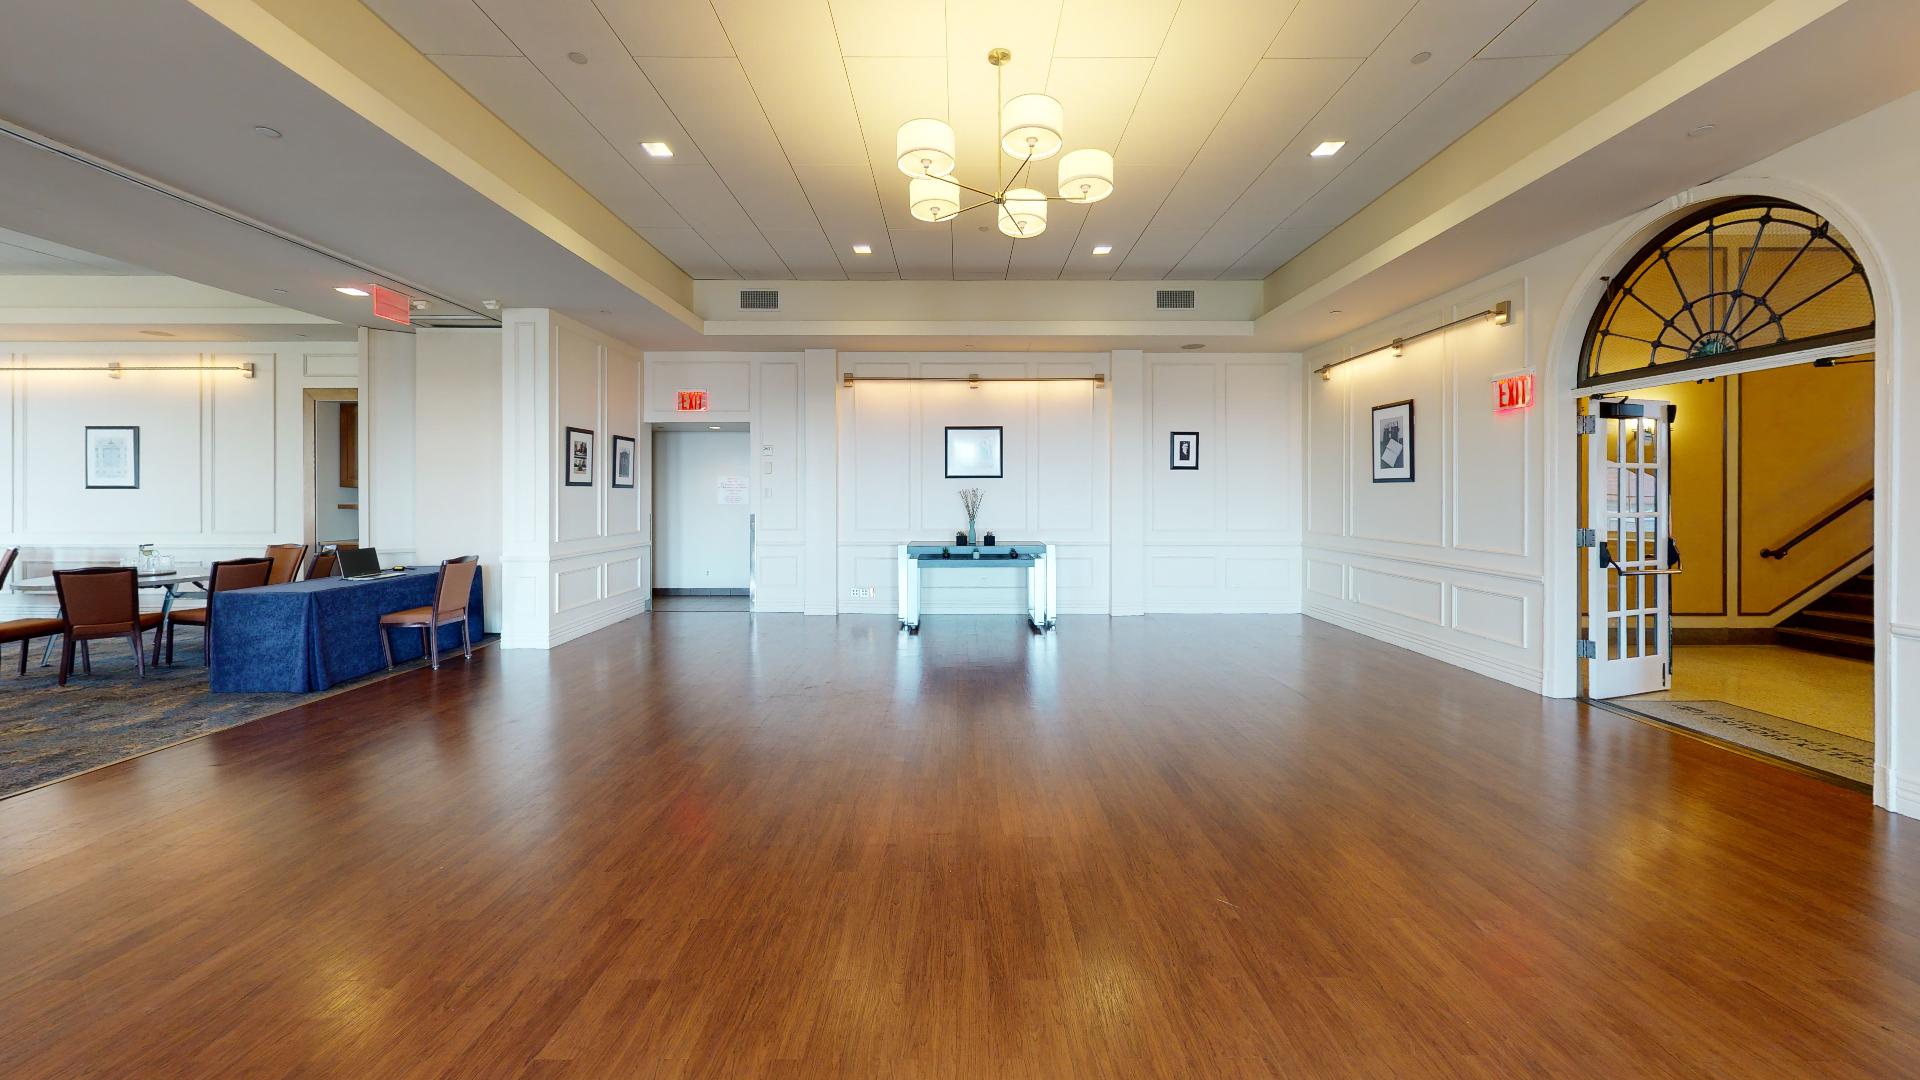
(220, 455)
(457, 503)
(893, 486)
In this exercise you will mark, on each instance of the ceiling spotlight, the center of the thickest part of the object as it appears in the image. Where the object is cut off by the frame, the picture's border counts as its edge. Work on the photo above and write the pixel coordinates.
(1696, 132)
(577, 57)
(490, 305)
(713, 427)
(420, 305)
(156, 333)
(657, 149)
(1193, 346)
(863, 249)
(1103, 249)
(262, 129)
(1328, 149)
(1421, 57)
(350, 290)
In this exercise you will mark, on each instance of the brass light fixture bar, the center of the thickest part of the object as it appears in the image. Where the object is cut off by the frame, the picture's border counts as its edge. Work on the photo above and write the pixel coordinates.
(1099, 381)
(1501, 314)
(116, 369)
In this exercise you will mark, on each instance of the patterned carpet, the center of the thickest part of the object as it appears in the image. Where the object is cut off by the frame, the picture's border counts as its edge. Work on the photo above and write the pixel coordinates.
(1813, 747)
(49, 732)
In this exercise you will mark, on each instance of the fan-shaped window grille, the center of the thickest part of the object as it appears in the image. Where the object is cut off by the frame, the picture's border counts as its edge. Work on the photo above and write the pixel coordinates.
(1736, 281)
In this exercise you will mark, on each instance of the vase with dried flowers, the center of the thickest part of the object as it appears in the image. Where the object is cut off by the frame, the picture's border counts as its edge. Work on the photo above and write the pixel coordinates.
(970, 498)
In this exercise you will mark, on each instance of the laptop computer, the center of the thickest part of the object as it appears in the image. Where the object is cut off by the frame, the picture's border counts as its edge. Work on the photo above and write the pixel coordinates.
(362, 564)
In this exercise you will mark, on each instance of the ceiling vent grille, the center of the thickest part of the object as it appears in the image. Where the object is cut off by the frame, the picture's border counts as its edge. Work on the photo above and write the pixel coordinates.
(759, 299)
(1173, 299)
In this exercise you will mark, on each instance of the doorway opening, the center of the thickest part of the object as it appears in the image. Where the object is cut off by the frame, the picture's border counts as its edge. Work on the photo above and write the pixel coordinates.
(333, 468)
(1726, 494)
(702, 517)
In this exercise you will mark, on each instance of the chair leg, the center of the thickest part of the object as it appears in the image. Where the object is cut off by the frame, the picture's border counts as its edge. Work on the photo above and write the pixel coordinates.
(86, 657)
(431, 633)
(206, 644)
(386, 646)
(169, 628)
(466, 639)
(66, 657)
(139, 654)
(23, 659)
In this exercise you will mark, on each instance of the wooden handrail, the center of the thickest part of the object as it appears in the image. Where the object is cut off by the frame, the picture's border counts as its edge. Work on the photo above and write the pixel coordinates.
(1781, 551)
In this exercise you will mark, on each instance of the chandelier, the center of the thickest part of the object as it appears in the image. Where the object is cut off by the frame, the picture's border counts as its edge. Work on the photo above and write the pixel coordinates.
(1030, 127)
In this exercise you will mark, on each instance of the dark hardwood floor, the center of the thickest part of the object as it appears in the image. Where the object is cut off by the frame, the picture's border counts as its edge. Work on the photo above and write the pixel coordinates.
(709, 845)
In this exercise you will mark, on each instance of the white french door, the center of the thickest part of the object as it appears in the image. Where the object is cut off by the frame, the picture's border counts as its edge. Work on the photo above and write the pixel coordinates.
(1630, 566)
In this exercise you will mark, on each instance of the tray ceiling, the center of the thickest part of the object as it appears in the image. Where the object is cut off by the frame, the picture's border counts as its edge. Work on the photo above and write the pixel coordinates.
(781, 117)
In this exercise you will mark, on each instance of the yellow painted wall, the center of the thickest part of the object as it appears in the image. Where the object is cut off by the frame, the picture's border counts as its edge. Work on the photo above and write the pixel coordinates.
(1698, 448)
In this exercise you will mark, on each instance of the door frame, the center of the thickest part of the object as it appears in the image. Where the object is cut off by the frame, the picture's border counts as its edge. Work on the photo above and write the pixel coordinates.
(310, 471)
(1562, 355)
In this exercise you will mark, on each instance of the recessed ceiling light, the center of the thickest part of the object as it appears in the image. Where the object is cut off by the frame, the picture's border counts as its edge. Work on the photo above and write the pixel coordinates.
(350, 290)
(1192, 346)
(1335, 311)
(863, 249)
(1696, 132)
(577, 57)
(1328, 149)
(156, 333)
(282, 292)
(657, 149)
(420, 305)
(1103, 249)
(1421, 57)
(262, 129)
(713, 427)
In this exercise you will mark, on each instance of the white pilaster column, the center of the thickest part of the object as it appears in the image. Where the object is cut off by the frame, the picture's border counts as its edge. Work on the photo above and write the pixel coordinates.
(1128, 385)
(527, 467)
(820, 502)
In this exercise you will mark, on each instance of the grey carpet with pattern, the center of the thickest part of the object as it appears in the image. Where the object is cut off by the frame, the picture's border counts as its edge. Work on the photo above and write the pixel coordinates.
(1816, 748)
(49, 732)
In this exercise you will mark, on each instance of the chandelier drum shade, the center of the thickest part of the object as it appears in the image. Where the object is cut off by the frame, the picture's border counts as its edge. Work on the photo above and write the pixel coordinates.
(1032, 128)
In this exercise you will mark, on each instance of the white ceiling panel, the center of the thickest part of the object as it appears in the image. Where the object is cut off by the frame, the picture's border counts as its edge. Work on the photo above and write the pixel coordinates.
(24, 254)
(689, 251)
(713, 100)
(782, 114)
(454, 27)
(791, 57)
(1338, 27)
(890, 27)
(1201, 68)
(667, 27)
(1272, 109)
(521, 96)
(1557, 27)
(1114, 27)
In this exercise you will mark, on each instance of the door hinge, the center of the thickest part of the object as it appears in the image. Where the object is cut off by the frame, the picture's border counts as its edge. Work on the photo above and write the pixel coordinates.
(1585, 538)
(1589, 425)
(1589, 649)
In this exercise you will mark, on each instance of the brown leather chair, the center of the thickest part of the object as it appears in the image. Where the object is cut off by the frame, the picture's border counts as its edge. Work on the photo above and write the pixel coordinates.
(221, 577)
(450, 595)
(287, 559)
(325, 564)
(23, 630)
(101, 602)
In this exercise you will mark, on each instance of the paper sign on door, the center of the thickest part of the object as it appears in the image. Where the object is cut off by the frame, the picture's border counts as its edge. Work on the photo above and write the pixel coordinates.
(733, 490)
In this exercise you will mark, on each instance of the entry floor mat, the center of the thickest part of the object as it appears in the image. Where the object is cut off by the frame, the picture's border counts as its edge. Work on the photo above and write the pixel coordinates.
(1813, 747)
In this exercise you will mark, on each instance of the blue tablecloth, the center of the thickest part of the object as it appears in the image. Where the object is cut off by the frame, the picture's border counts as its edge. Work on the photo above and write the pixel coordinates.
(308, 635)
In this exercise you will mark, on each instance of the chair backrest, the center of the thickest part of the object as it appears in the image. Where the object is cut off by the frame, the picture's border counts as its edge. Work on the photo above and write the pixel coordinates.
(6, 564)
(324, 564)
(286, 562)
(456, 585)
(230, 574)
(98, 597)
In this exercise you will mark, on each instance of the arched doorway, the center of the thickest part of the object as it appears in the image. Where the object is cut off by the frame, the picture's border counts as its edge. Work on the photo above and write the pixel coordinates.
(1754, 319)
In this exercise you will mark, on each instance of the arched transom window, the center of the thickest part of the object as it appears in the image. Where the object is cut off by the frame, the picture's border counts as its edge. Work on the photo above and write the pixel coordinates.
(1736, 280)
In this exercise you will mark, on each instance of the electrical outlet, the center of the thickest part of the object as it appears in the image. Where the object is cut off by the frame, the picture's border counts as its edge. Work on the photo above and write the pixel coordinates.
(863, 592)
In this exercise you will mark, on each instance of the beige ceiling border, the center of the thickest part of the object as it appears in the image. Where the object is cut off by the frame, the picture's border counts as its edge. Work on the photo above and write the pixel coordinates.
(350, 54)
(1654, 56)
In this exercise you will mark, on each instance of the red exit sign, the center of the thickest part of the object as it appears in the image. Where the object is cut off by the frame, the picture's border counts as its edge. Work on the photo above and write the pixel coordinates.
(1512, 392)
(690, 401)
(392, 306)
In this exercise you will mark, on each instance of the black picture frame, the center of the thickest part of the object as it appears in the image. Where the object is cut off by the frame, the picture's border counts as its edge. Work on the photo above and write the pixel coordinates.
(576, 459)
(86, 457)
(613, 461)
(999, 456)
(1398, 412)
(1174, 460)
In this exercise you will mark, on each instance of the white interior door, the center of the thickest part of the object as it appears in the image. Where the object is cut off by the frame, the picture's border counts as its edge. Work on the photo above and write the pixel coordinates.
(1629, 581)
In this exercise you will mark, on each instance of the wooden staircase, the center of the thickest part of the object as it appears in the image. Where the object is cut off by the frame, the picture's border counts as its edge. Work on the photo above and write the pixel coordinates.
(1839, 623)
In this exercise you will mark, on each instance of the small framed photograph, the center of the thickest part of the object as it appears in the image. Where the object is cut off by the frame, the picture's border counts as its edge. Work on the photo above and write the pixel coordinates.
(622, 461)
(974, 453)
(1392, 447)
(579, 465)
(113, 457)
(1183, 450)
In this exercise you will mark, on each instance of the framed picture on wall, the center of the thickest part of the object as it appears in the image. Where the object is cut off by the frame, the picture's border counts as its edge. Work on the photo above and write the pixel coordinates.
(578, 468)
(622, 461)
(974, 453)
(1392, 447)
(113, 457)
(1183, 450)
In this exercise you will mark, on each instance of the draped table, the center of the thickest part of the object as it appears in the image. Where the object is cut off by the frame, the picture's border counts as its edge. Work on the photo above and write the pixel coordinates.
(306, 636)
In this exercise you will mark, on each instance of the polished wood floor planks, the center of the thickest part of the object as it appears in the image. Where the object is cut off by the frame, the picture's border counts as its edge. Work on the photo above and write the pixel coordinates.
(709, 844)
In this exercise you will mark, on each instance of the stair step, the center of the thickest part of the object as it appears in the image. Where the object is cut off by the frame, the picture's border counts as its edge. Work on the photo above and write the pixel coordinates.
(1826, 641)
(1855, 623)
(1856, 603)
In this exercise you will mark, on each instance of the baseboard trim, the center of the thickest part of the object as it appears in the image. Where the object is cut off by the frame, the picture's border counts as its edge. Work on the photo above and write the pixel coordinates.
(1480, 664)
(700, 592)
